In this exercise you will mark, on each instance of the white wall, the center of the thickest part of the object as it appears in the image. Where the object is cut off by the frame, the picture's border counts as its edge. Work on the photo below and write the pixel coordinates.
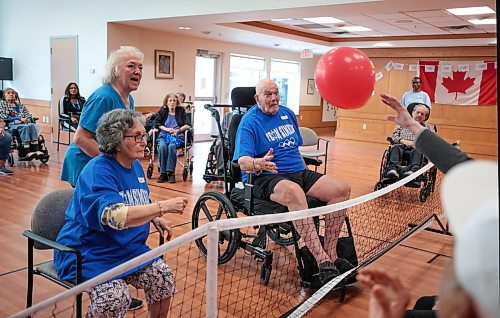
(27, 25)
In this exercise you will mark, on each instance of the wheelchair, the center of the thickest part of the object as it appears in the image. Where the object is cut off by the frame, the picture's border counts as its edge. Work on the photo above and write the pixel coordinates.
(187, 164)
(17, 144)
(426, 182)
(235, 199)
(214, 170)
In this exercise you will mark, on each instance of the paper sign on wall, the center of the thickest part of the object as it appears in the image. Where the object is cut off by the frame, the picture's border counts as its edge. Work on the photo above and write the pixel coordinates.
(399, 66)
(413, 67)
(389, 65)
(446, 68)
(429, 68)
(378, 76)
(481, 66)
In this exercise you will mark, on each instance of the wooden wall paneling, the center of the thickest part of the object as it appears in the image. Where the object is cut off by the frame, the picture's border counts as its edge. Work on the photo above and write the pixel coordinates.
(39, 108)
(477, 126)
(311, 116)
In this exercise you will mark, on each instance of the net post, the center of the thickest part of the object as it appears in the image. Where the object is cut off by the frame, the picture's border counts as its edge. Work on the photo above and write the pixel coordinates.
(211, 278)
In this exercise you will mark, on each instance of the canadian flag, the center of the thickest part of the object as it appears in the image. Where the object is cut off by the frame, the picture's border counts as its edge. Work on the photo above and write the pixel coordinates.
(460, 83)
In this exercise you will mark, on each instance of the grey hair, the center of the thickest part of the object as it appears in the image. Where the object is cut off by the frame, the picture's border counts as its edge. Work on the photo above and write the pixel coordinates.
(112, 127)
(116, 58)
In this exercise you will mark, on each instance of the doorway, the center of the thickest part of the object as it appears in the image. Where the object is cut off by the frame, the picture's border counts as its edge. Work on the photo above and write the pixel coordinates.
(206, 91)
(63, 69)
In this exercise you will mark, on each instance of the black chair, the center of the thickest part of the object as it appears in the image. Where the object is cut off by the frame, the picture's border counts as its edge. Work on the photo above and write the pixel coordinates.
(46, 222)
(64, 123)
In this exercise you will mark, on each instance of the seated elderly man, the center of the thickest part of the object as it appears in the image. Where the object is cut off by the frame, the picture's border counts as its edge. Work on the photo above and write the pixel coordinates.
(405, 145)
(267, 144)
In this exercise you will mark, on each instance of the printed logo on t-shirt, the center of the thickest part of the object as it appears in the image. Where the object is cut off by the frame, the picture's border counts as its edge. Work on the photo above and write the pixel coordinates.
(133, 197)
(284, 117)
(287, 143)
(281, 132)
(140, 179)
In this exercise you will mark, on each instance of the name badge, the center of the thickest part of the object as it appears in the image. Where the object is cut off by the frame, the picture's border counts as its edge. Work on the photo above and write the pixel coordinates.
(141, 180)
(284, 117)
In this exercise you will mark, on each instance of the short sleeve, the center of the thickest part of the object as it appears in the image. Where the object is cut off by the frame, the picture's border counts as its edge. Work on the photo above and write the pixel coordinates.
(93, 111)
(245, 140)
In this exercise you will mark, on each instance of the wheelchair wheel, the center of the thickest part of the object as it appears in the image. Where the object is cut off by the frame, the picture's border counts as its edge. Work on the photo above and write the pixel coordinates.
(280, 234)
(149, 172)
(185, 173)
(378, 186)
(212, 206)
(44, 159)
(191, 168)
(383, 163)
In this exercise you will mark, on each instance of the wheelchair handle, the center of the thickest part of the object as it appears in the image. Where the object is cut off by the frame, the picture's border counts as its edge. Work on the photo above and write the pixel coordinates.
(214, 112)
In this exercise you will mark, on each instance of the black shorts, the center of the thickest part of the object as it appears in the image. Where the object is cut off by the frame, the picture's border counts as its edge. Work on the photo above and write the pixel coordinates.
(264, 184)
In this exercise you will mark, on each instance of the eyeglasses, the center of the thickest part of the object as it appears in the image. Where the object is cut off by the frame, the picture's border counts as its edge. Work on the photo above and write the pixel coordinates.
(138, 138)
(417, 82)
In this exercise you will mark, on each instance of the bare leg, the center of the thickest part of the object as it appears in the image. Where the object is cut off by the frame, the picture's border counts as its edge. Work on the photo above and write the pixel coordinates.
(291, 195)
(331, 190)
(159, 309)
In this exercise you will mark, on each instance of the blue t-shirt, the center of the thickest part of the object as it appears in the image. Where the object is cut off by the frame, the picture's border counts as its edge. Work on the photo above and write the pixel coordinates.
(102, 182)
(258, 132)
(416, 97)
(103, 100)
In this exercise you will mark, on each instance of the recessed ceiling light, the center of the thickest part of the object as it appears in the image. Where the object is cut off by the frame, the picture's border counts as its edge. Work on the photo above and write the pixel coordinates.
(382, 44)
(322, 20)
(483, 21)
(355, 28)
(184, 28)
(470, 10)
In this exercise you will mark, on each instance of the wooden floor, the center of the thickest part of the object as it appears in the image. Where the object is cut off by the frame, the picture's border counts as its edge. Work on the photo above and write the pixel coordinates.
(419, 261)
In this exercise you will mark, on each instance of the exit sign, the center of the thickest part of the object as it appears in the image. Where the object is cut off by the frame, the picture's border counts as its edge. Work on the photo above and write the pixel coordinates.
(306, 54)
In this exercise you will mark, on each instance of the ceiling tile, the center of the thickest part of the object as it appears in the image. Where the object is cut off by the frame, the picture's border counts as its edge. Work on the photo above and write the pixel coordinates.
(429, 14)
(389, 16)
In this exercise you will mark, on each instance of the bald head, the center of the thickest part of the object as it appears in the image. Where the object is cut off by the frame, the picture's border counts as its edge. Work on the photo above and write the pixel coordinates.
(267, 96)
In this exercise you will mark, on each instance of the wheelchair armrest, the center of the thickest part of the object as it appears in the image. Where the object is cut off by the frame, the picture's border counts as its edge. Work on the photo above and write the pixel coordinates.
(249, 193)
(312, 161)
(49, 243)
(390, 140)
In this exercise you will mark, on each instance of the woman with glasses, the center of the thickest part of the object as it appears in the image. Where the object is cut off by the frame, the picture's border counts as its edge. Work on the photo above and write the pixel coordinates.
(71, 106)
(108, 221)
(172, 122)
(123, 75)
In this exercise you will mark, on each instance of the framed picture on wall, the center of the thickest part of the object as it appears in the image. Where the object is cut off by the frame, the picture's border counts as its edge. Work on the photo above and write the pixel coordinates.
(310, 86)
(164, 64)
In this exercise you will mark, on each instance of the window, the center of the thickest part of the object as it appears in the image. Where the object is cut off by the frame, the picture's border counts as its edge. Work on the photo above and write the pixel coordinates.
(286, 74)
(245, 71)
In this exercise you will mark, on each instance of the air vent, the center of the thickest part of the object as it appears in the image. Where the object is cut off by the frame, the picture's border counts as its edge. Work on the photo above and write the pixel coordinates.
(340, 32)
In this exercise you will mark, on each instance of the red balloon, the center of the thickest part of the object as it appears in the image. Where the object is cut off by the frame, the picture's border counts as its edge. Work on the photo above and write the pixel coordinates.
(345, 77)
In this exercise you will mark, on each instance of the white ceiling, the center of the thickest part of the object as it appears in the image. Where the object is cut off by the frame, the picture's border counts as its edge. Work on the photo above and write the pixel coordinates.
(396, 23)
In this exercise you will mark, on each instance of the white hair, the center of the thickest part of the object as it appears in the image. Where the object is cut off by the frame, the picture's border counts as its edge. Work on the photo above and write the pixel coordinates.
(116, 58)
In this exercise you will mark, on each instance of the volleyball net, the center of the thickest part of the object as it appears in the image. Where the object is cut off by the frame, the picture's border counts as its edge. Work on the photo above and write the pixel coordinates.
(237, 285)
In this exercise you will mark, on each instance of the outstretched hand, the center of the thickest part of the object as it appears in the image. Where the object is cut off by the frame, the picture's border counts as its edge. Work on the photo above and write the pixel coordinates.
(388, 297)
(265, 163)
(403, 117)
(175, 205)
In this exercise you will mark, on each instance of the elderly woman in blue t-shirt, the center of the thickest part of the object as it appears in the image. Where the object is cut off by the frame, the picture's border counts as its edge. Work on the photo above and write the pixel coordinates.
(172, 121)
(108, 221)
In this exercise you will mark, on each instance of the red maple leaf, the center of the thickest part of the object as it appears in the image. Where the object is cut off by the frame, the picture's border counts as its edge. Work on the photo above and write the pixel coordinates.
(458, 83)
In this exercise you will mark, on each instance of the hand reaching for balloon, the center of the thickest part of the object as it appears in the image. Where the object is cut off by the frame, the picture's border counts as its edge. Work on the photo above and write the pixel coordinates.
(403, 117)
(388, 297)
(265, 163)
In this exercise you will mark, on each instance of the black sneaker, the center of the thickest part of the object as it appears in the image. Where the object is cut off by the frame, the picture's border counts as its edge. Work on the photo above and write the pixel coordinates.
(162, 178)
(392, 174)
(171, 178)
(327, 271)
(343, 265)
(135, 304)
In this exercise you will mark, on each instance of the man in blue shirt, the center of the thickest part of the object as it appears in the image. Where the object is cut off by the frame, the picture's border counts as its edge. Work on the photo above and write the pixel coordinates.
(267, 145)
(416, 95)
